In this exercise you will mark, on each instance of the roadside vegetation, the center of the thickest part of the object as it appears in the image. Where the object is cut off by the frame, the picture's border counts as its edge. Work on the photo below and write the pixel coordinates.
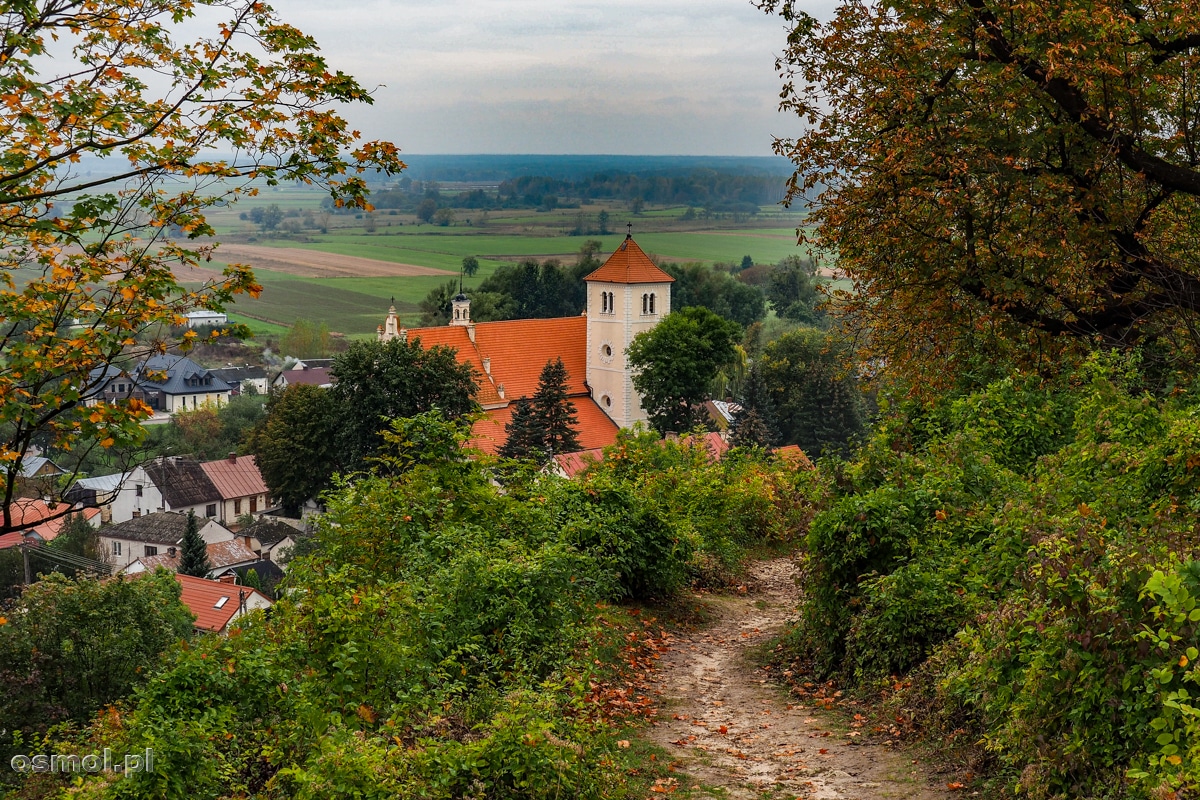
(446, 638)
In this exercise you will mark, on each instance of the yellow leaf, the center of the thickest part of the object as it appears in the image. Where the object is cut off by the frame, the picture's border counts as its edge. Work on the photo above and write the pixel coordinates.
(1174, 760)
(1183, 661)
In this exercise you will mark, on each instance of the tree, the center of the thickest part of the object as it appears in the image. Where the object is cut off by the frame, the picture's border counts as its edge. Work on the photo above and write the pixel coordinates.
(700, 285)
(674, 363)
(295, 446)
(526, 434)
(70, 647)
(792, 290)
(99, 171)
(1004, 183)
(754, 425)
(377, 381)
(306, 339)
(426, 209)
(809, 376)
(193, 555)
(252, 580)
(555, 409)
(470, 265)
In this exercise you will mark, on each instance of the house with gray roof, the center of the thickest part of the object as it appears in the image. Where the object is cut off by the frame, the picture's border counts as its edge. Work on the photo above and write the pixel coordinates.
(167, 383)
(169, 483)
(156, 533)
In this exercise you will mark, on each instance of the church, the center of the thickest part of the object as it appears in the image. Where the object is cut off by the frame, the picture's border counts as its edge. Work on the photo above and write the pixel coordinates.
(625, 296)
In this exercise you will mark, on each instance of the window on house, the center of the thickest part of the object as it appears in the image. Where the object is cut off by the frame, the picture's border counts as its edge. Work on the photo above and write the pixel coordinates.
(151, 550)
(210, 510)
(116, 548)
(253, 504)
(237, 507)
(138, 490)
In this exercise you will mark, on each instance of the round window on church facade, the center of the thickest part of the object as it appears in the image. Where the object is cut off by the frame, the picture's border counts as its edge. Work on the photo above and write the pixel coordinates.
(607, 350)
(607, 401)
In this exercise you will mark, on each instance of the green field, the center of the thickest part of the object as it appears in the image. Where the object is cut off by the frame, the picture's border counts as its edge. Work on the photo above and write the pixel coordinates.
(355, 306)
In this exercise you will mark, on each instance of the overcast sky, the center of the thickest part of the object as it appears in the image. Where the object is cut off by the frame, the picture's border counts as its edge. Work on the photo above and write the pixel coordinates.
(694, 77)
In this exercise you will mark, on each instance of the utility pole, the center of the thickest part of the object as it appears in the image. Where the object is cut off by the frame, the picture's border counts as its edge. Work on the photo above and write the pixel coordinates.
(25, 557)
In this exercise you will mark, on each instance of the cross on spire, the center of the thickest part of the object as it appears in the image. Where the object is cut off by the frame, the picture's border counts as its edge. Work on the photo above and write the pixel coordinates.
(628, 230)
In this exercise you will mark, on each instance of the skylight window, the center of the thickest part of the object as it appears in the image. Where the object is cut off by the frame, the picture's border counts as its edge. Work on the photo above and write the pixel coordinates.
(221, 602)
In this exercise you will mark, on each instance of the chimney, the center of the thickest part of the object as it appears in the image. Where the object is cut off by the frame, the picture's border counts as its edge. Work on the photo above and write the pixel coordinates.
(500, 391)
(171, 552)
(233, 458)
(228, 577)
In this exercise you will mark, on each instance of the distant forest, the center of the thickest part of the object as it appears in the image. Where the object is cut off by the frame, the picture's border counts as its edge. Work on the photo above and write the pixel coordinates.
(497, 168)
(711, 190)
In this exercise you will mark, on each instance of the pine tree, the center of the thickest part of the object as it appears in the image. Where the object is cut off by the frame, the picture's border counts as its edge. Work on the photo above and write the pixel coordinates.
(526, 435)
(252, 580)
(193, 559)
(754, 425)
(556, 411)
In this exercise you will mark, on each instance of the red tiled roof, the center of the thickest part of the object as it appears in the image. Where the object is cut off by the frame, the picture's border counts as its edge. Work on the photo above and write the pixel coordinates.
(596, 429)
(201, 597)
(235, 477)
(628, 264)
(313, 376)
(11, 539)
(28, 514)
(793, 455)
(518, 350)
(220, 554)
(572, 464)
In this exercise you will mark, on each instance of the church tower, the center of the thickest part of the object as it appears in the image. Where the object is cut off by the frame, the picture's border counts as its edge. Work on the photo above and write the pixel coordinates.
(626, 296)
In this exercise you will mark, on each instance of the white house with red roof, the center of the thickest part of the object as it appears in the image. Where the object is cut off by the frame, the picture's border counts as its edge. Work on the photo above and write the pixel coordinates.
(625, 296)
(217, 604)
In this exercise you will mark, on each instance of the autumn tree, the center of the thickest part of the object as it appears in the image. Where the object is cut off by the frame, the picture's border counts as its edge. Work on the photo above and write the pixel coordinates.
(675, 361)
(112, 119)
(1005, 183)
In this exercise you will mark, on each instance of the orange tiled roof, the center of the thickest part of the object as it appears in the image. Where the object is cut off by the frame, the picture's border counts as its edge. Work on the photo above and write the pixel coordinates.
(596, 429)
(793, 455)
(628, 264)
(29, 514)
(518, 349)
(235, 477)
(202, 596)
(572, 464)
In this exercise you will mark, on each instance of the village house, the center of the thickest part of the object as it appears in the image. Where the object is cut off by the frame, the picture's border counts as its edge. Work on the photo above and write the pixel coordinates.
(150, 535)
(104, 492)
(312, 372)
(202, 318)
(244, 380)
(223, 557)
(239, 485)
(166, 383)
(269, 538)
(40, 522)
(38, 477)
(218, 604)
(625, 296)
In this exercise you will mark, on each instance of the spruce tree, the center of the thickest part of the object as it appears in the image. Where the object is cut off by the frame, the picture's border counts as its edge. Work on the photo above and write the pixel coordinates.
(526, 436)
(555, 410)
(193, 559)
(754, 425)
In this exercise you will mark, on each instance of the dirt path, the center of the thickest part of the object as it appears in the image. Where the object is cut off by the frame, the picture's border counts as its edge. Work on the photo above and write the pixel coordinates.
(732, 730)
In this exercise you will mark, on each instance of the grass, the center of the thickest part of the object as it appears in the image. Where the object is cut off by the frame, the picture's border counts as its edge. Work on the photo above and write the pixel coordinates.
(355, 306)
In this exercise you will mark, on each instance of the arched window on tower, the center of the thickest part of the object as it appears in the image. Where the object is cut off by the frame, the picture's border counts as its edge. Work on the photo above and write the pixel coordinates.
(645, 304)
(604, 302)
(652, 302)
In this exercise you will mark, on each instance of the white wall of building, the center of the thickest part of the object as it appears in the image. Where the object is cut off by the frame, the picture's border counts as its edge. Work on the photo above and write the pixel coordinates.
(609, 333)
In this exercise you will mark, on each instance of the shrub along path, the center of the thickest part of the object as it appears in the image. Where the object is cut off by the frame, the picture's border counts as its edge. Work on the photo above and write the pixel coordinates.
(731, 728)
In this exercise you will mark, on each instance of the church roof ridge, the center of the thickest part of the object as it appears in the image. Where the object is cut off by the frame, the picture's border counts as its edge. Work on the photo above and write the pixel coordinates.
(629, 264)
